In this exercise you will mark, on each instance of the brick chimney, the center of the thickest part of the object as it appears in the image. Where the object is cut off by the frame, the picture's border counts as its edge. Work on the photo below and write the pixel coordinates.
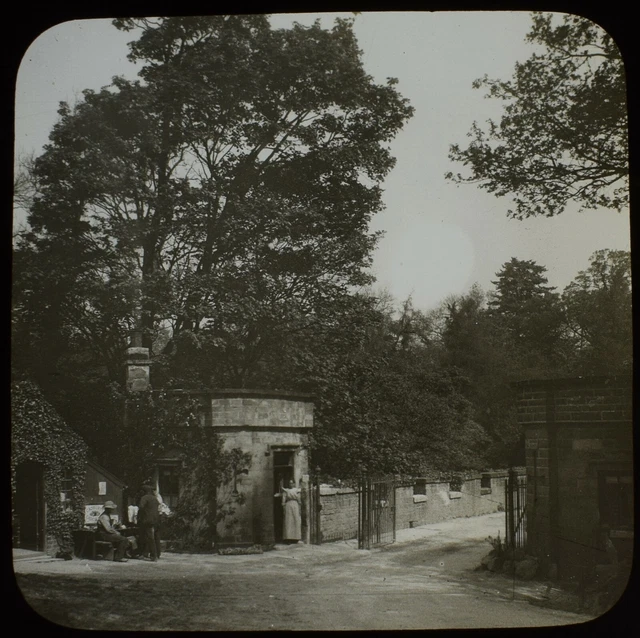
(137, 364)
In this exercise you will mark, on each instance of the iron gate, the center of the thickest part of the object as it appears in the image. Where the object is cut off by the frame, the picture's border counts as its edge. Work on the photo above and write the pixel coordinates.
(376, 512)
(515, 500)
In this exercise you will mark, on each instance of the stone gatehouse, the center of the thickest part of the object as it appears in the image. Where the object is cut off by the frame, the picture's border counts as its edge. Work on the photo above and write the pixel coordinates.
(272, 426)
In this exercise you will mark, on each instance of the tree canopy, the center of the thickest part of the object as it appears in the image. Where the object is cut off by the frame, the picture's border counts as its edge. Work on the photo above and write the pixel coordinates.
(563, 135)
(227, 193)
(598, 307)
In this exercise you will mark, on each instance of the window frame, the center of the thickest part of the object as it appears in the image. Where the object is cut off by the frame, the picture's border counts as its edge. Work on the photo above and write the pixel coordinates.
(170, 499)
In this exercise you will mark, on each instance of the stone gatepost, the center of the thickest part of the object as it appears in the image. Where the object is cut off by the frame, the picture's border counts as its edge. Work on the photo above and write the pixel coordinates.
(137, 366)
(306, 529)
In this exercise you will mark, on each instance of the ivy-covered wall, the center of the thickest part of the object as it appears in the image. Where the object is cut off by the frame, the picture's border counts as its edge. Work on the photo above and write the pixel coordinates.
(39, 434)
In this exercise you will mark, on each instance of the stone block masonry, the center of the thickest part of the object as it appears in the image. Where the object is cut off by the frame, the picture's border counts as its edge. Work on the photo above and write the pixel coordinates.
(260, 411)
(577, 432)
(442, 503)
(579, 400)
(339, 515)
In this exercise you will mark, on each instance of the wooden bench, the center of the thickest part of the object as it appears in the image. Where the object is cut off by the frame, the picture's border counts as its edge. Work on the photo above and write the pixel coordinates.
(86, 545)
(103, 549)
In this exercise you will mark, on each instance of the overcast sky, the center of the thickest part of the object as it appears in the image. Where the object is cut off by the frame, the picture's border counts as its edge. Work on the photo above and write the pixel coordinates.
(440, 238)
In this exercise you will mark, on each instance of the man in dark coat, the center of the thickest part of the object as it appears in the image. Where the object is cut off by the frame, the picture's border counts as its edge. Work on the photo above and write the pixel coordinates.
(148, 519)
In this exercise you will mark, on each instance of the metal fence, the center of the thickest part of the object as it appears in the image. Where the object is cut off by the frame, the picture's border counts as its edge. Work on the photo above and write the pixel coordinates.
(376, 512)
(515, 499)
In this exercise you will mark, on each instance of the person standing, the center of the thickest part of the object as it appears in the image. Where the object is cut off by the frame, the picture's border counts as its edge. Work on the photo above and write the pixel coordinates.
(108, 533)
(148, 518)
(163, 513)
(292, 532)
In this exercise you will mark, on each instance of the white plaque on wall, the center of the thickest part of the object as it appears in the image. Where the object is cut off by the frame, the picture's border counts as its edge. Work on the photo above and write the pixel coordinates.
(102, 488)
(92, 513)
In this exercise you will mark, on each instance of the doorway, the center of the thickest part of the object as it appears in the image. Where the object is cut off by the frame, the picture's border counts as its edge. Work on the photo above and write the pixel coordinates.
(29, 506)
(282, 474)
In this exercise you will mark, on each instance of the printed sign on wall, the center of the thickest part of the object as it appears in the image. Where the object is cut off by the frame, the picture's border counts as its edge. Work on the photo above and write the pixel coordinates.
(91, 514)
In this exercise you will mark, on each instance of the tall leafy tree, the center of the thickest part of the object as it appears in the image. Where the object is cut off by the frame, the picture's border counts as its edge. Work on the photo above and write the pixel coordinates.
(528, 312)
(598, 307)
(225, 196)
(474, 345)
(563, 134)
(465, 331)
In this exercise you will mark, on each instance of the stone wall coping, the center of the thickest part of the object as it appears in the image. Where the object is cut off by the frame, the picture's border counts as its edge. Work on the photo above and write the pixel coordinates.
(328, 490)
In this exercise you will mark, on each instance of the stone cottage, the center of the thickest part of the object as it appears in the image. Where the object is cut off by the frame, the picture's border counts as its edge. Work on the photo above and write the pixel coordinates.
(579, 456)
(272, 426)
(48, 465)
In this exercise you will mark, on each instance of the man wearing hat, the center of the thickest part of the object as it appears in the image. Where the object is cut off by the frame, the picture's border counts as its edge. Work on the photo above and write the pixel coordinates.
(148, 519)
(106, 532)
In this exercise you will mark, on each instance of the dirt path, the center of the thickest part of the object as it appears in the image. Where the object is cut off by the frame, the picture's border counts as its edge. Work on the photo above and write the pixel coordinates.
(424, 581)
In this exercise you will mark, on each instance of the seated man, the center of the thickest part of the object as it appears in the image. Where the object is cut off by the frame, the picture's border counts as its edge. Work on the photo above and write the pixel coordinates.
(107, 532)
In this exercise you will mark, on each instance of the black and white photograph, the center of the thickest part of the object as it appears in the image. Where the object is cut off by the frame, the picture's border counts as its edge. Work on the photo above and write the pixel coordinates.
(322, 322)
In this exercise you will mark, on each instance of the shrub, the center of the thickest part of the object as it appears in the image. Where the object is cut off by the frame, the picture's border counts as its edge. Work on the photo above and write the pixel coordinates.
(498, 545)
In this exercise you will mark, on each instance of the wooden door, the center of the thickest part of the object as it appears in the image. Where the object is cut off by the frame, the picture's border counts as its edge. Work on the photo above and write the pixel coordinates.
(29, 503)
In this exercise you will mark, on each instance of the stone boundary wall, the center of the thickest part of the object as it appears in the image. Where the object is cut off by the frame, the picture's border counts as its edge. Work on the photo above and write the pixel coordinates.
(339, 514)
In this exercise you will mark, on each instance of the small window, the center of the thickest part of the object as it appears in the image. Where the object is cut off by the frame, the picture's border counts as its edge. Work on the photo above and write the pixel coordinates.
(169, 485)
(420, 487)
(282, 459)
(485, 481)
(616, 499)
(66, 489)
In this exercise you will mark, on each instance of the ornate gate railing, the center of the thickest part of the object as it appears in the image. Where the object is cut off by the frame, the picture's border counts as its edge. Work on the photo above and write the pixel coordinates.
(515, 499)
(376, 512)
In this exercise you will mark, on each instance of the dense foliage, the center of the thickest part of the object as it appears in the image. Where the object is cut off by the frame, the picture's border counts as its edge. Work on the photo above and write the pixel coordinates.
(563, 135)
(599, 316)
(223, 199)
(38, 434)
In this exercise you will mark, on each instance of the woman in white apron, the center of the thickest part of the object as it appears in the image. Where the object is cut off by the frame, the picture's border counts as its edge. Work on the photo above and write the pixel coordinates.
(292, 529)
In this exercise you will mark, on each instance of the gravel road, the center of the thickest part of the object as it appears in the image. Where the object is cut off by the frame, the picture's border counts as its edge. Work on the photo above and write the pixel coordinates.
(426, 580)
